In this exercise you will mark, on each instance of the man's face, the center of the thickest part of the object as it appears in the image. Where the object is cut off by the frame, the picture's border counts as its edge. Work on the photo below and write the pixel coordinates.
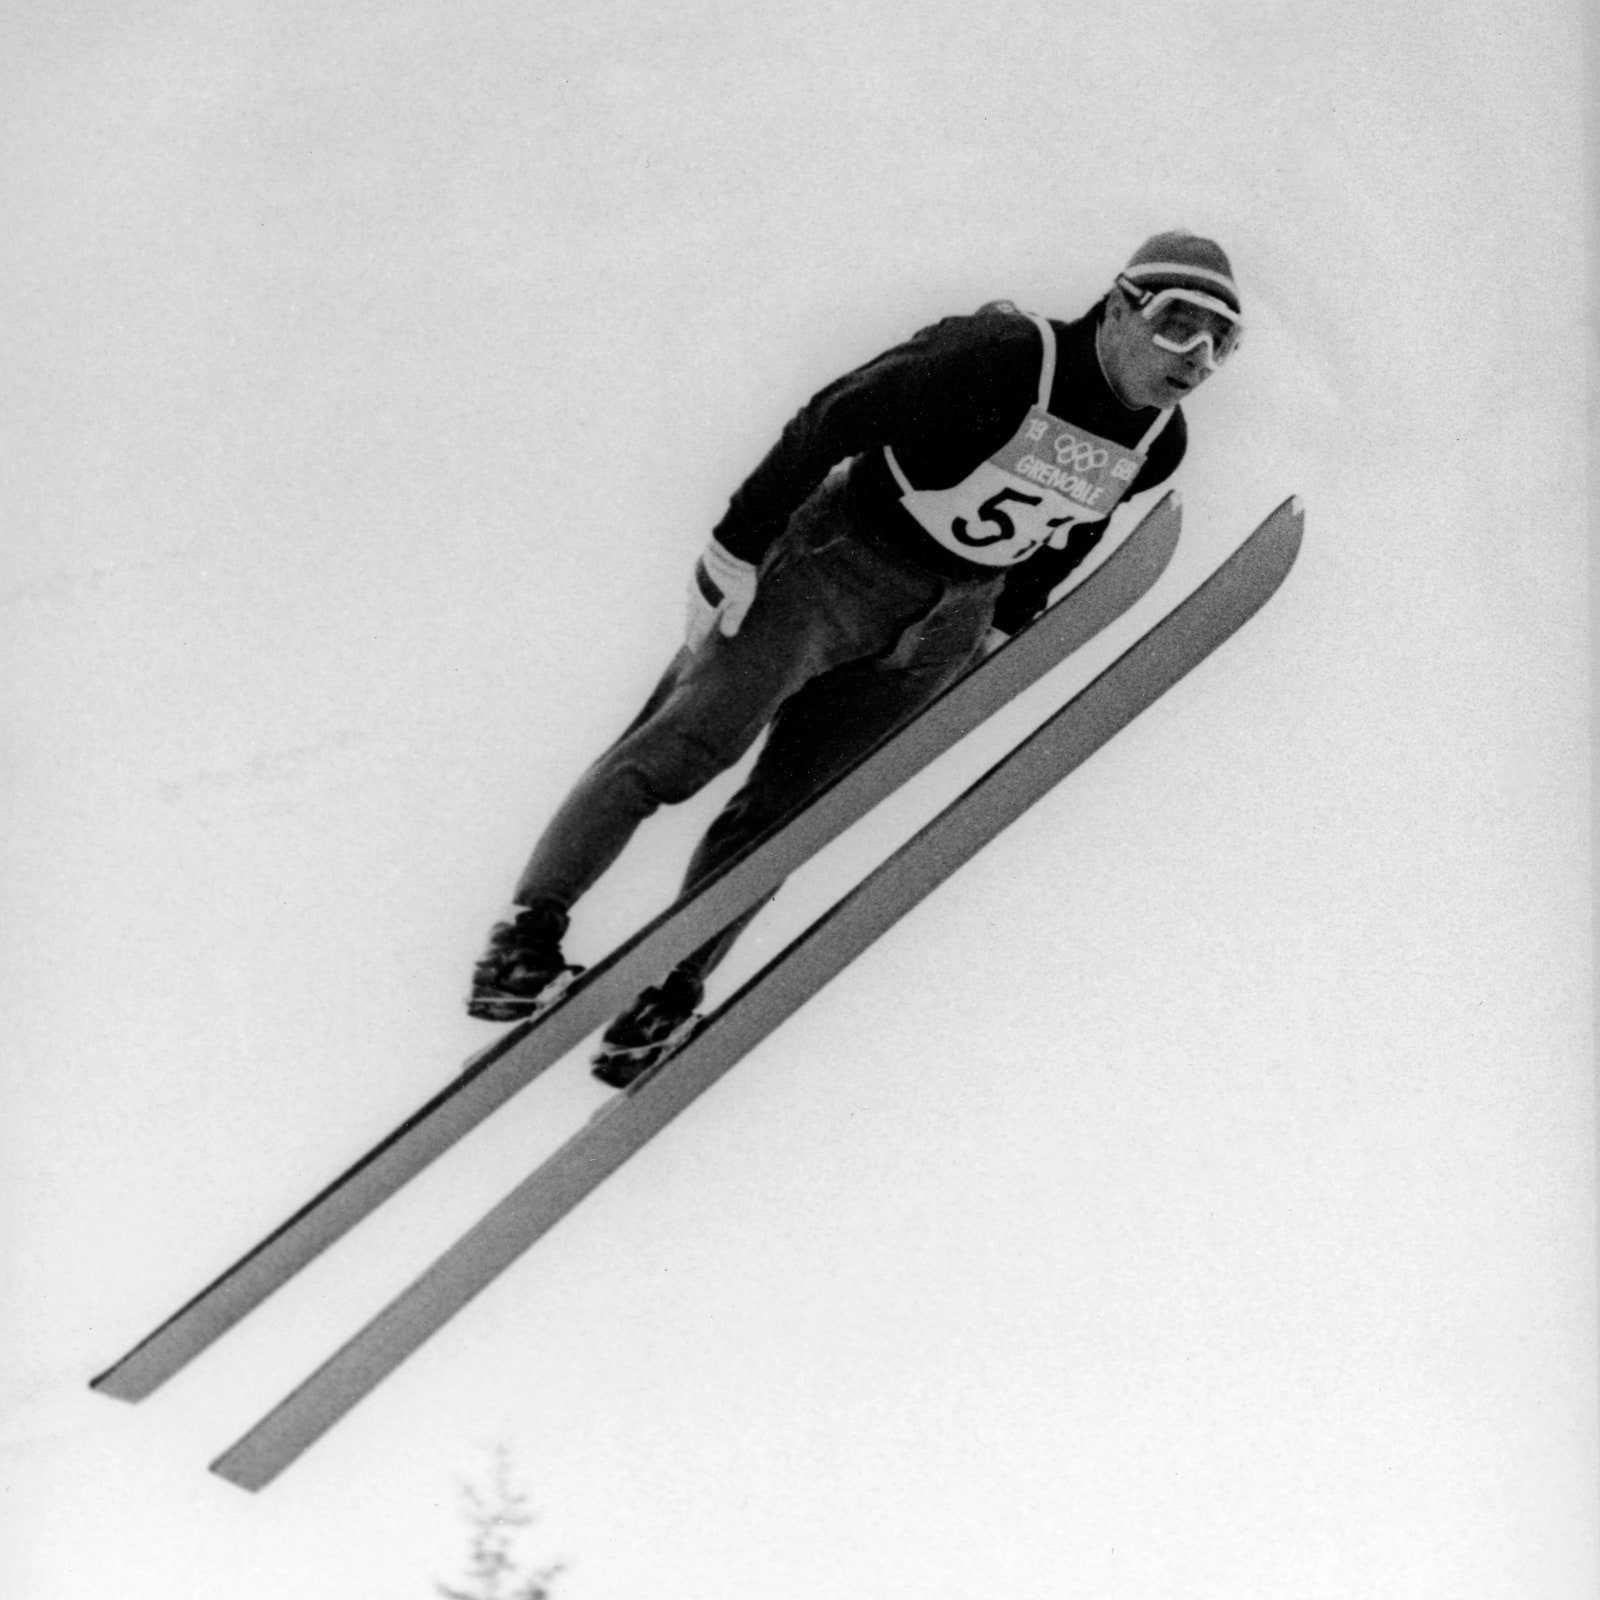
(1141, 372)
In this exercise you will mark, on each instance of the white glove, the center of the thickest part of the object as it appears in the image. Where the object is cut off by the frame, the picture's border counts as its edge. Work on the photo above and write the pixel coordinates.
(720, 591)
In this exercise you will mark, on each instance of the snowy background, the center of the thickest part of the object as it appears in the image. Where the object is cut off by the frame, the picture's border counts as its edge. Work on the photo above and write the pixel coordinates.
(1194, 1198)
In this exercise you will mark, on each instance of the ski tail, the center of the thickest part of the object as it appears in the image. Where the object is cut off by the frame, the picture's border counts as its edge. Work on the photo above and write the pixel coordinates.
(1144, 672)
(512, 1061)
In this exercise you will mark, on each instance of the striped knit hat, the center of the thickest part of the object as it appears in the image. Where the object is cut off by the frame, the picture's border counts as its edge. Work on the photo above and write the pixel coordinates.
(1183, 260)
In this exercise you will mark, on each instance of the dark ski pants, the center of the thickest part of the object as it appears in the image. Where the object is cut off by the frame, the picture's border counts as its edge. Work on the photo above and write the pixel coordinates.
(843, 643)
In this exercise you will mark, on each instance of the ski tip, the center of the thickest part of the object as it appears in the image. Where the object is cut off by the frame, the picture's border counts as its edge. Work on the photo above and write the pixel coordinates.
(111, 1384)
(240, 1476)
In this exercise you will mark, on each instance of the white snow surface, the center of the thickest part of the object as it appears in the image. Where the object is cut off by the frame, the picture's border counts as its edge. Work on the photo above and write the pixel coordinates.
(1195, 1198)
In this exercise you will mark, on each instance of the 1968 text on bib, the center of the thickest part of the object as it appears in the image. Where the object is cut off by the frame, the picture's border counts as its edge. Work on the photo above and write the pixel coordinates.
(1048, 477)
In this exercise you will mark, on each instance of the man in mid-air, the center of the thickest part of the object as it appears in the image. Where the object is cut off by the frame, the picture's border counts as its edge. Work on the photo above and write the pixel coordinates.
(915, 513)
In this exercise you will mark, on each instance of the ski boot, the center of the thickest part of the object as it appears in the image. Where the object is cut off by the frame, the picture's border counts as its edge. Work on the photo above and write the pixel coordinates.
(523, 972)
(660, 1022)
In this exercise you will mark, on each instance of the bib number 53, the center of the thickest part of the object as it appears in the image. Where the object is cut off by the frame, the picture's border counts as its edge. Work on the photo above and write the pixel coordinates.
(991, 511)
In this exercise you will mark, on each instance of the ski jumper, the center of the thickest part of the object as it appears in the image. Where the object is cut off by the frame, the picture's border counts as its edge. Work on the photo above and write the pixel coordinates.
(985, 455)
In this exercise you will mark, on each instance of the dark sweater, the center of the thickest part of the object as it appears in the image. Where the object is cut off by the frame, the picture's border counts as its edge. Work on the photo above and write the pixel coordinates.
(945, 401)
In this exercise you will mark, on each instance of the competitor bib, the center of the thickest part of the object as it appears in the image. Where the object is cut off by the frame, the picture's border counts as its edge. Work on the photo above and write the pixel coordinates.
(1048, 477)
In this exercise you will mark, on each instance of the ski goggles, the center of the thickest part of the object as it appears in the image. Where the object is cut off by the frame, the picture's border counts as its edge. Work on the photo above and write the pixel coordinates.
(1182, 320)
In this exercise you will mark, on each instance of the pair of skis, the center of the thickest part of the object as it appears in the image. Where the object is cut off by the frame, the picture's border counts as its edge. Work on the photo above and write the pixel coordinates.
(1134, 681)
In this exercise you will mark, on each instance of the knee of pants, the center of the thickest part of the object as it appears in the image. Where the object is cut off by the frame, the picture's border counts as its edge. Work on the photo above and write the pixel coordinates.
(673, 769)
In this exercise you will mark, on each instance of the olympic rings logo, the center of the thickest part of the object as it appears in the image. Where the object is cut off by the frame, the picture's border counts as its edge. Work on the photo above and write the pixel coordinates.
(1079, 454)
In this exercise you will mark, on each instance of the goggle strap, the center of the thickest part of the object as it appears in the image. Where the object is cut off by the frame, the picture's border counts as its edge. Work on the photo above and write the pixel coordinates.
(1149, 300)
(1167, 268)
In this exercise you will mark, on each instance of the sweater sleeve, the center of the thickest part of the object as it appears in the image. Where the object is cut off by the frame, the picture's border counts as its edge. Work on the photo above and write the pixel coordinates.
(1028, 587)
(944, 374)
